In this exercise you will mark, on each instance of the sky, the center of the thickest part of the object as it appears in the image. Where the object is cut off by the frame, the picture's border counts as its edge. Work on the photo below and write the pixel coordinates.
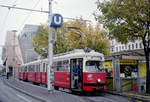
(12, 19)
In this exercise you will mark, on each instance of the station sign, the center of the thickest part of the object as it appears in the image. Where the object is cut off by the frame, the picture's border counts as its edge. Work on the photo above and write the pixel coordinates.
(56, 20)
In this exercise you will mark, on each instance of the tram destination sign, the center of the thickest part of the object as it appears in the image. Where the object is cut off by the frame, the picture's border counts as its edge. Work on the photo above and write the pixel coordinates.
(133, 57)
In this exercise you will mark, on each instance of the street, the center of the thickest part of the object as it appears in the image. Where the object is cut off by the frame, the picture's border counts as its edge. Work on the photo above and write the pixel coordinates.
(8, 94)
(107, 98)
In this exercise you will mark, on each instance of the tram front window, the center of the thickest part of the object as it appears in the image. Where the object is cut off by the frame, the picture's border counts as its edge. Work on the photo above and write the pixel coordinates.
(94, 66)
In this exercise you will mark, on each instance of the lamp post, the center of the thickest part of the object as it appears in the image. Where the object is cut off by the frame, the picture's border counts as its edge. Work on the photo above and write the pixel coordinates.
(13, 59)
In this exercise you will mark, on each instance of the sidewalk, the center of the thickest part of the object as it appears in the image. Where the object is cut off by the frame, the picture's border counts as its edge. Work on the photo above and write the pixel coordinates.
(135, 96)
(41, 93)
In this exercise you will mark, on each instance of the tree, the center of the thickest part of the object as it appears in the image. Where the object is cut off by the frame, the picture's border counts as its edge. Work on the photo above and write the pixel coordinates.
(68, 39)
(127, 20)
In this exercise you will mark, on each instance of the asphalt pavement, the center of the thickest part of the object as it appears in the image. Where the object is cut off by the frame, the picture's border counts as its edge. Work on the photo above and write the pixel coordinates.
(8, 94)
(41, 94)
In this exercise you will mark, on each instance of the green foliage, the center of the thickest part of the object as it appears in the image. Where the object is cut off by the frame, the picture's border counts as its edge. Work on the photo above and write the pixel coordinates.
(125, 19)
(128, 20)
(69, 38)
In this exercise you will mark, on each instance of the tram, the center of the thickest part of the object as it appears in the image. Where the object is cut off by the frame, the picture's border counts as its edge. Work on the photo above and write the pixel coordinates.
(76, 70)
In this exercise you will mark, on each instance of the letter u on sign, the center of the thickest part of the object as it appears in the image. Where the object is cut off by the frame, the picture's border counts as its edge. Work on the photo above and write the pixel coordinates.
(57, 20)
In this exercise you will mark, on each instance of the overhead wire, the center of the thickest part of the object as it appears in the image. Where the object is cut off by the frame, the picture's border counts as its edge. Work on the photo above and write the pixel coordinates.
(29, 14)
(6, 16)
(5, 19)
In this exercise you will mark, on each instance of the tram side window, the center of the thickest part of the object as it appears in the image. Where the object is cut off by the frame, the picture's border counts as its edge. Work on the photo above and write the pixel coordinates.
(40, 67)
(58, 67)
(22, 69)
(61, 66)
(65, 66)
(29, 68)
(37, 68)
(46, 67)
(43, 67)
(55, 66)
(25, 69)
(33, 68)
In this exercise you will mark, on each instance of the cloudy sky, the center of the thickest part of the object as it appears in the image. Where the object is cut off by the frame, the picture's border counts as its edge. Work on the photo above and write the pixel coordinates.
(11, 19)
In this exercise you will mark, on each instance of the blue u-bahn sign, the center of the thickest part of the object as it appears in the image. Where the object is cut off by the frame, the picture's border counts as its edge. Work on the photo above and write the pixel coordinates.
(56, 21)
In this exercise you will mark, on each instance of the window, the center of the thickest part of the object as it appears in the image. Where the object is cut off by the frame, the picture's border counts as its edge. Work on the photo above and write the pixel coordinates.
(66, 65)
(37, 68)
(132, 46)
(112, 49)
(30, 69)
(119, 48)
(47, 67)
(94, 66)
(116, 49)
(25, 69)
(33, 68)
(126, 47)
(129, 71)
(136, 45)
(122, 47)
(61, 66)
(112, 43)
(140, 45)
(129, 47)
(44, 67)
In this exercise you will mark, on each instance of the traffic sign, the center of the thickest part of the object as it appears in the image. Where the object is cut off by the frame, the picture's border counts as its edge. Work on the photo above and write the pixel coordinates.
(56, 20)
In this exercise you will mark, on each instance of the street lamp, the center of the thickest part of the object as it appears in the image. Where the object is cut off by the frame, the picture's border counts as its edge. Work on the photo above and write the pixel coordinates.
(13, 59)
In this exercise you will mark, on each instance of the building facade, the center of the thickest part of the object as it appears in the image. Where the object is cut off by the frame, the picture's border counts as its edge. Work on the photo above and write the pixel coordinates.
(11, 53)
(118, 47)
(25, 41)
(126, 67)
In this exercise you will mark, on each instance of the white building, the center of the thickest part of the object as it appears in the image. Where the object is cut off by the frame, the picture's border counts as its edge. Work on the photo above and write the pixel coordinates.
(118, 47)
(25, 42)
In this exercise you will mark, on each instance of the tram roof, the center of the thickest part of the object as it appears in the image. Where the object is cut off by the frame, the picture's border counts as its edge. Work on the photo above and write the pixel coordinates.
(78, 53)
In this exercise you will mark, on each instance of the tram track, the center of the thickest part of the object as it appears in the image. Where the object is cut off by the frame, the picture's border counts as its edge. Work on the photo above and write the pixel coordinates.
(99, 97)
(90, 97)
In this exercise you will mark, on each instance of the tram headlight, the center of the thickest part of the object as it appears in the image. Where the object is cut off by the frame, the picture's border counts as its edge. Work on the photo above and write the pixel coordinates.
(98, 80)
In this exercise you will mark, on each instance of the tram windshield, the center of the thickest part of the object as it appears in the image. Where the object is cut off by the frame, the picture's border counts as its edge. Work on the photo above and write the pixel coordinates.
(94, 66)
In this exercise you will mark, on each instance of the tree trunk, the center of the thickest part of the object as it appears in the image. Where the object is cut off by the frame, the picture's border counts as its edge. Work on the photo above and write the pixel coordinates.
(147, 57)
(148, 73)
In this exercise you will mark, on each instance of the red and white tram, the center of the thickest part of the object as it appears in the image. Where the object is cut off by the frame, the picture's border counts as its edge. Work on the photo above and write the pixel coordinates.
(76, 70)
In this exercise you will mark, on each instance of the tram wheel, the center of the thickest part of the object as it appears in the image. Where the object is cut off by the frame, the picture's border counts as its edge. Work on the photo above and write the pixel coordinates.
(56, 87)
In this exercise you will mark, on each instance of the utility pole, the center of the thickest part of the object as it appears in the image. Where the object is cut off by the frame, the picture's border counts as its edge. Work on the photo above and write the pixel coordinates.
(50, 50)
(13, 59)
(7, 68)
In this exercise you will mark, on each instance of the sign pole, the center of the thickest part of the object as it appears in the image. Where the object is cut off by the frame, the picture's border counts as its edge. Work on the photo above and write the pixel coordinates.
(50, 51)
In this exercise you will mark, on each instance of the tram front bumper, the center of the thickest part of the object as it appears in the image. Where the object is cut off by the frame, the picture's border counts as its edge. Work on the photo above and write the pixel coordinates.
(97, 89)
(94, 86)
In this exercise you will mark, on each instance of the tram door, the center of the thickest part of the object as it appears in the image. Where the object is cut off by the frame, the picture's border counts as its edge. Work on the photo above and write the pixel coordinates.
(76, 70)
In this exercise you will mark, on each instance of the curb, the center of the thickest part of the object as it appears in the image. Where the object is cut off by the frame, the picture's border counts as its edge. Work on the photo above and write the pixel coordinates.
(24, 92)
(130, 96)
